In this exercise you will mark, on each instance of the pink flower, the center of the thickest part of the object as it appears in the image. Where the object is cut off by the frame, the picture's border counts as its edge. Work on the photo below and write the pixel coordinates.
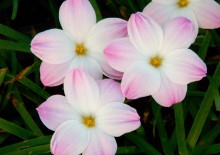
(79, 44)
(203, 13)
(156, 61)
(88, 118)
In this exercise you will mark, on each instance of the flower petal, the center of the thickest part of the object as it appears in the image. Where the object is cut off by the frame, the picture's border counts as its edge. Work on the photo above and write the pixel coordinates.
(81, 91)
(184, 66)
(120, 53)
(104, 32)
(56, 110)
(77, 17)
(110, 91)
(207, 13)
(145, 33)
(117, 119)
(169, 93)
(140, 80)
(70, 138)
(178, 33)
(159, 12)
(106, 68)
(164, 2)
(52, 46)
(89, 65)
(101, 143)
(53, 74)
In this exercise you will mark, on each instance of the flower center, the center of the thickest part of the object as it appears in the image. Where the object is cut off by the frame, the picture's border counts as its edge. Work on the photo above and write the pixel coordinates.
(80, 50)
(156, 61)
(88, 121)
(183, 3)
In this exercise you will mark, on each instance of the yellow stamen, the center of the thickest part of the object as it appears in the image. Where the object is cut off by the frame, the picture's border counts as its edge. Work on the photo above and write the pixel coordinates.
(80, 50)
(88, 121)
(183, 3)
(156, 61)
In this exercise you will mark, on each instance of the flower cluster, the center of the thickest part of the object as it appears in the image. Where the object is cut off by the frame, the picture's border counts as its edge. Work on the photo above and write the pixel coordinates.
(149, 53)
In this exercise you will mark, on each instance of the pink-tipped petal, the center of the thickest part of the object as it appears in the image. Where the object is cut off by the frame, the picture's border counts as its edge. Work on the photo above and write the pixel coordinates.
(106, 68)
(178, 33)
(81, 91)
(110, 91)
(145, 33)
(117, 119)
(140, 80)
(120, 53)
(159, 12)
(184, 66)
(70, 138)
(53, 46)
(169, 93)
(89, 65)
(56, 110)
(53, 74)
(77, 17)
(104, 32)
(101, 143)
(207, 13)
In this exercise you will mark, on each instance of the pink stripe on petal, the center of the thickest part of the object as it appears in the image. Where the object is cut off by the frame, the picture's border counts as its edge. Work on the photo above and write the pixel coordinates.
(184, 66)
(55, 111)
(101, 143)
(81, 91)
(117, 119)
(145, 34)
(53, 74)
(71, 137)
(140, 80)
(120, 53)
(178, 33)
(169, 93)
(207, 13)
(53, 46)
(77, 17)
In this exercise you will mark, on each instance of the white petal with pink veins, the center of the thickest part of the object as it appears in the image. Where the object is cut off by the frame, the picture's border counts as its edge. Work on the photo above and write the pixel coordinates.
(53, 46)
(169, 93)
(184, 66)
(145, 34)
(77, 17)
(139, 80)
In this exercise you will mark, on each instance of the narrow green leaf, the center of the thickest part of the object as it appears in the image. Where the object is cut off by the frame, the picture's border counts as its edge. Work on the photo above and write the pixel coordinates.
(205, 45)
(15, 129)
(20, 107)
(55, 12)
(96, 8)
(32, 150)
(12, 34)
(141, 143)
(14, 9)
(26, 144)
(180, 129)
(128, 150)
(203, 112)
(3, 72)
(212, 149)
(161, 130)
(15, 46)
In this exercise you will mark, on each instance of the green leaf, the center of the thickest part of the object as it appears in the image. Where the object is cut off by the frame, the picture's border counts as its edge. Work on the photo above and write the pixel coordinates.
(203, 111)
(14, 9)
(12, 34)
(26, 144)
(128, 150)
(15, 46)
(3, 72)
(55, 12)
(20, 107)
(15, 129)
(180, 129)
(141, 143)
(96, 8)
(205, 45)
